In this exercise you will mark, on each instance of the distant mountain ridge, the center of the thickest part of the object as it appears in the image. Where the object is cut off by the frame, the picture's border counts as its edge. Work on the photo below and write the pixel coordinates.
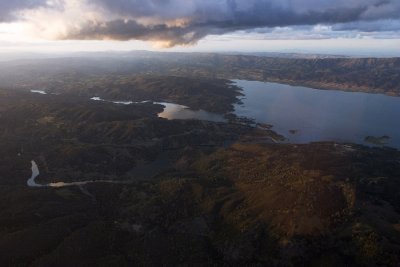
(371, 75)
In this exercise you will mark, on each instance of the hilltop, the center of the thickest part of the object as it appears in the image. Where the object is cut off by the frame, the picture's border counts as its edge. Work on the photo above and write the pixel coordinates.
(372, 75)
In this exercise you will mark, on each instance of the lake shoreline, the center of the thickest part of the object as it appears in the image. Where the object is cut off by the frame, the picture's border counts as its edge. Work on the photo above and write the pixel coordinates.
(318, 114)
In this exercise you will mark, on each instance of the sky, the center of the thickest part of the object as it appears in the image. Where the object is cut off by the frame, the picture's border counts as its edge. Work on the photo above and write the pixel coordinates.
(359, 27)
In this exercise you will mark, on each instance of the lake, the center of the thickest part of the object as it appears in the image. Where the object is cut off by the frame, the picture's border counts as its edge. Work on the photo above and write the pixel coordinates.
(305, 115)
(179, 112)
(174, 111)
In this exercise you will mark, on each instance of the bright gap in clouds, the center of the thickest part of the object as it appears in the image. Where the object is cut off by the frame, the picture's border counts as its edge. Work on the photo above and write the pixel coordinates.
(349, 47)
(357, 27)
(14, 40)
(14, 32)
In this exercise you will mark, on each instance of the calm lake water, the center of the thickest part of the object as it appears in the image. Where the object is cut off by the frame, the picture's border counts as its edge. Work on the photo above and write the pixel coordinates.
(306, 115)
(179, 112)
(174, 111)
(321, 115)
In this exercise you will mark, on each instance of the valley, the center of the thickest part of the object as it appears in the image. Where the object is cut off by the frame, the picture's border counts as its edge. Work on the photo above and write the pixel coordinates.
(201, 133)
(184, 192)
(371, 75)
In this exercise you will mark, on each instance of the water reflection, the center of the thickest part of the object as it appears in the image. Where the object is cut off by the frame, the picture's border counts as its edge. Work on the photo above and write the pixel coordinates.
(35, 173)
(179, 112)
(39, 92)
(174, 111)
(96, 98)
(305, 115)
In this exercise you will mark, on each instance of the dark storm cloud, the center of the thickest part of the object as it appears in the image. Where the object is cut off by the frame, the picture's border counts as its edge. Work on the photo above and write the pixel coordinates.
(217, 17)
(370, 26)
(187, 21)
(129, 29)
(204, 18)
(192, 32)
(260, 10)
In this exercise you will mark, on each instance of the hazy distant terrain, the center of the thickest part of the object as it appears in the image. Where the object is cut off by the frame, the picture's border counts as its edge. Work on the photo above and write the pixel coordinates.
(373, 75)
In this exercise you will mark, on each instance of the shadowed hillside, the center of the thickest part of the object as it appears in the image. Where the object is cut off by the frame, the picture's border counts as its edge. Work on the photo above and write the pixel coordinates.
(374, 75)
(195, 193)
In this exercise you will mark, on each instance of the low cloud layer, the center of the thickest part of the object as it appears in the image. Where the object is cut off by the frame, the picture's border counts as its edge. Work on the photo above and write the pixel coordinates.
(183, 22)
